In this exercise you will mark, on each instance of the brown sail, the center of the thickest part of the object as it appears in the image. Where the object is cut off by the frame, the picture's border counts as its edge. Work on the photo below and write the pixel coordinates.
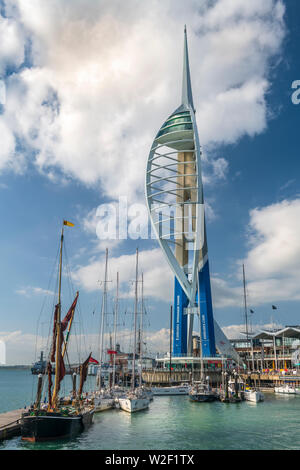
(70, 313)
(83, 374)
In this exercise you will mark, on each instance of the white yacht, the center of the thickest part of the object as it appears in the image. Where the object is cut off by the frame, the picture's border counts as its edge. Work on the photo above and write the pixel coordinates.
(287, 390)
(253, 395)
(137, 399)
(103, 404)
(101, 400)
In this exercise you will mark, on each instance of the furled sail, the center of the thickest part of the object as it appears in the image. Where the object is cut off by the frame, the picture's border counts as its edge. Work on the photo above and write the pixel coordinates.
(83, 374)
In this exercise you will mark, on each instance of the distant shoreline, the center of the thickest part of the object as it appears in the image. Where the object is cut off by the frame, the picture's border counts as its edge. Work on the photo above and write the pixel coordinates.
(16, 367)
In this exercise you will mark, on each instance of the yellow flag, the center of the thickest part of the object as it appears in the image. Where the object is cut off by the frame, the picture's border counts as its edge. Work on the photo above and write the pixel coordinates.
(69, 224)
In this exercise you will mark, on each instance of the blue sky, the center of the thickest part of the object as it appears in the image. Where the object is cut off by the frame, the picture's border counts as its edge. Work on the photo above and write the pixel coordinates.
(77, 125)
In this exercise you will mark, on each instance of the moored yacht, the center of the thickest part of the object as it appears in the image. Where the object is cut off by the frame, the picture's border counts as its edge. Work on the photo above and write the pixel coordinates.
(137, 399)
(202, 392)
(182, 389)
(253, 395)
(102, 401)
(287, 390)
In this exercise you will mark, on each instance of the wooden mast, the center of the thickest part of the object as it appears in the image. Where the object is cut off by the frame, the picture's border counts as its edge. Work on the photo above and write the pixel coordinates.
(58, 327)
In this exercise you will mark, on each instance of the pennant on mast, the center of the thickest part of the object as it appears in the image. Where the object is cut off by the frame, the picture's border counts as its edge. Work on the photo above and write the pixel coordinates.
(69, 224)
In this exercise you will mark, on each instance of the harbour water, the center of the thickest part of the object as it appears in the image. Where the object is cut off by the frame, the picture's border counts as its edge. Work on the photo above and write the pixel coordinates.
(170, 423)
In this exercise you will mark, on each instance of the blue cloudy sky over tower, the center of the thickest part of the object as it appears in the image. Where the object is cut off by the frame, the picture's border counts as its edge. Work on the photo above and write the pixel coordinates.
(84, 90)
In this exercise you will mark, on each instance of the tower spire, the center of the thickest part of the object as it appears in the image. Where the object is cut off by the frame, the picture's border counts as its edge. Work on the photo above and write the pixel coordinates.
(187, 96)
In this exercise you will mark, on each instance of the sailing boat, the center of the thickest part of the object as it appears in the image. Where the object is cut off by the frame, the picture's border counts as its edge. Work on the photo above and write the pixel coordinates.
(116, 390)
(136, 399)
(201, 391)
(146, 390)
(56, 421)
(102, 398)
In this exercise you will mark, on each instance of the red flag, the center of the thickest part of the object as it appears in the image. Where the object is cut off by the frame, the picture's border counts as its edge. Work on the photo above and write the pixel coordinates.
(93, 361)
(111, 351)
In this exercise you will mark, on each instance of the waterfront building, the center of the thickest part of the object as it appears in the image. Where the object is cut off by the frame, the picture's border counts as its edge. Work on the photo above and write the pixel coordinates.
(276, 349)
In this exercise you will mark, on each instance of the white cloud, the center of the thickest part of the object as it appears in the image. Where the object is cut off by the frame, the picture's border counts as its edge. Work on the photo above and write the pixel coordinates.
(272, 262)
(28, 291)
(274, 240)
(12, 44)
(235, 331)
(158, 279)
(273, 259)
(7, 146)
(100, 83)
(224, 294)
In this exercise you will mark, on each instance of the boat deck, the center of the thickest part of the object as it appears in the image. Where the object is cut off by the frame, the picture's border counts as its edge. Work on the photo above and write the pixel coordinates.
(10, 425)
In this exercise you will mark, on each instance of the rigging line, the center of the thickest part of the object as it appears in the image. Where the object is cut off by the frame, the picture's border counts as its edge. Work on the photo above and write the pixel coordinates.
(44, 301)
(81, 328)
(40, 314)
(68, 360)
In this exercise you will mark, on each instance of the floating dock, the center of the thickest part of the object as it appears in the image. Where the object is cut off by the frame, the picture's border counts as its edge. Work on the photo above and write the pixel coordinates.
(10, 424)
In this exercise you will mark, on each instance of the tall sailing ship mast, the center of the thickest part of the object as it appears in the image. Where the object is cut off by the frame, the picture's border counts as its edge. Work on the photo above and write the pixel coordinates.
(103, 318)
(141, 333)
(246, 319)
(56, 420)
(136, 399)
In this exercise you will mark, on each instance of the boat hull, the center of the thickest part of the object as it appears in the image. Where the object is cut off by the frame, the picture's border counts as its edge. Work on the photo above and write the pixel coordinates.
(202, 397)
(286, 391)
(104, 404)
(132, 405)
(254, 396)
(53, 426)
(163, 391)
